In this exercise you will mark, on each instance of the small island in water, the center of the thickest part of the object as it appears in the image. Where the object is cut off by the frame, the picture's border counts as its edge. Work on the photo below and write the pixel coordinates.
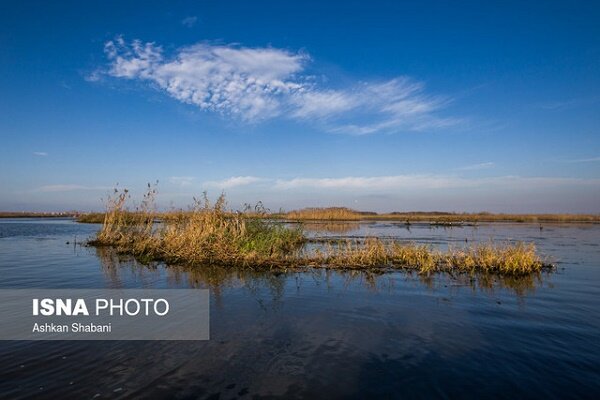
(210, 234)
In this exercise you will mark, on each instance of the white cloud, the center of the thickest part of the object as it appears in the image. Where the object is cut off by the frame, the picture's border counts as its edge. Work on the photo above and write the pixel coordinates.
(135, 61)
(189, 21)
(182, 180)
(235, 181)
(255, 84)
(40, 153)
(248, 83)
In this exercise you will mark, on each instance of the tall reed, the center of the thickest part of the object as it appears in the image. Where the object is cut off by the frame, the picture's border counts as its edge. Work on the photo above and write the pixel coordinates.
(207, 233)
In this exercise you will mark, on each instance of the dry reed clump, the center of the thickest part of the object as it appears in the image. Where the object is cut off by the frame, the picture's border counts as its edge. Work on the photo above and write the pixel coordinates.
(509, 259)
(518, 259)
(331, 213)
(205, 234)
(208, 234)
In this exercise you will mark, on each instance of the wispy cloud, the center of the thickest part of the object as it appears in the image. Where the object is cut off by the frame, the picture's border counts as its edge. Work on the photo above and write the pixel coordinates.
(68, 188)
(182, 180)
(40, 153)
(396, 183)
(371, 183)
(567, 104)
(255, 84)
(559, 105)
(584, 160)
(189, 21)
(235, 181)
(94, 76)
(476, 167)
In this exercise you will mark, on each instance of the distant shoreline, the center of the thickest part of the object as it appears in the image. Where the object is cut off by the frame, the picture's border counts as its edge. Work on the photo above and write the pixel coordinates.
(28, 214)
(339, 214)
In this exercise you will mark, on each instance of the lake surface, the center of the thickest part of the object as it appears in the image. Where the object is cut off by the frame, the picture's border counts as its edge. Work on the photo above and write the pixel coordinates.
(324, 334)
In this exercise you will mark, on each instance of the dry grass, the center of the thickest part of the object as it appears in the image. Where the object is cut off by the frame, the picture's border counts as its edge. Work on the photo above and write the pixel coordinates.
(208, 234)
(91, 218)
(439, 218)
(331, 213)
(507, 259)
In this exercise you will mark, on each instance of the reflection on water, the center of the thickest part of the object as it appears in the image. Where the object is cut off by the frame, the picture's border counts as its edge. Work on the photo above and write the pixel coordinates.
(321, 333)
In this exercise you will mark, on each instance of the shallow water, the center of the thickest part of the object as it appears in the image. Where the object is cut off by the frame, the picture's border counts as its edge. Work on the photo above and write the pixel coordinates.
(324, 334)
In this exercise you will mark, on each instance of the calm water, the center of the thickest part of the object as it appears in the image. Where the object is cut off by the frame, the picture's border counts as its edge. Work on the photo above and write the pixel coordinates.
(324, 335)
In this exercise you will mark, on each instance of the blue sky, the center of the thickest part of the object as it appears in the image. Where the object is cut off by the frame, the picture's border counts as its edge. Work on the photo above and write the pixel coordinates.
(475, 106)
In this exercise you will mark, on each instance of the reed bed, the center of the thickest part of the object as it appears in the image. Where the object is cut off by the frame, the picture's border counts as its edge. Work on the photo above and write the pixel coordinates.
(91, 218)
(331, 213)
(449, 218)
(209, 234)
(341, 214)
(440, 218)
(504, 259)
(205, 234)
